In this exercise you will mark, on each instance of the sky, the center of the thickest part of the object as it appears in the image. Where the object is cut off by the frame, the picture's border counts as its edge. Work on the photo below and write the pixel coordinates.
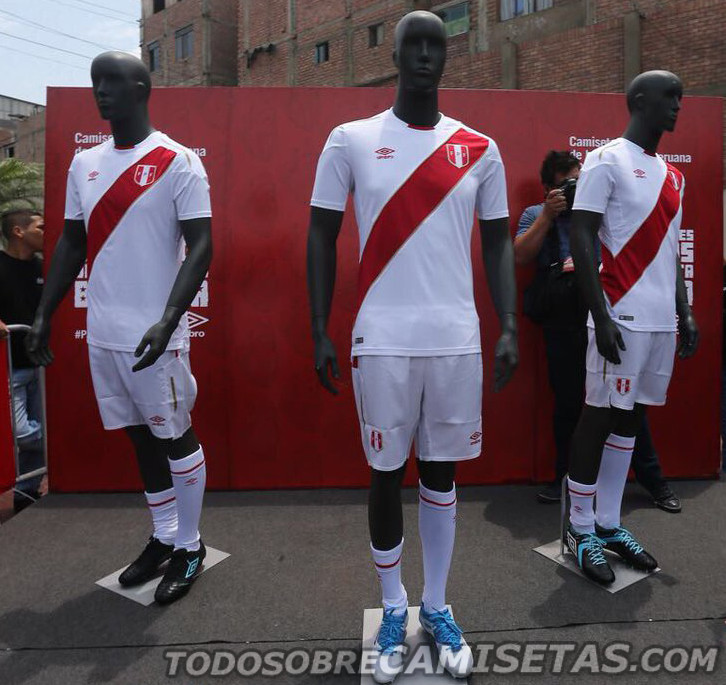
(34, 54)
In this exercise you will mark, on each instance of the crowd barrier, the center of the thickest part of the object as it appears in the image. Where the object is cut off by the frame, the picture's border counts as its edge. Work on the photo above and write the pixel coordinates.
(261, 415)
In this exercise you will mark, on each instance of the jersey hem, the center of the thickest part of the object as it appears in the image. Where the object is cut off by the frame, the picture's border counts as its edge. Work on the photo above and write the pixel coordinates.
(117, 347)
(406, 352)
(640, 329)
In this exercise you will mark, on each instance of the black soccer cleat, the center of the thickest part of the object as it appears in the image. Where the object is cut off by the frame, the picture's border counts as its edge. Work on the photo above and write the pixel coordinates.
(145, 567)
(588, 550)
(182, 571)
(621, 542)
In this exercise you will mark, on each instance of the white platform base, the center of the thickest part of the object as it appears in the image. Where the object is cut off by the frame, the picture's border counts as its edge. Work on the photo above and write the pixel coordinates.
(422, 667)
(144, 594)
(625, 575)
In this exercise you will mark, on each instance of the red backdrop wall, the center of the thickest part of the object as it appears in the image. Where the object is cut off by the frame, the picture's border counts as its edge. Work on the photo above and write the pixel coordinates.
(7, 453)
(261, 415)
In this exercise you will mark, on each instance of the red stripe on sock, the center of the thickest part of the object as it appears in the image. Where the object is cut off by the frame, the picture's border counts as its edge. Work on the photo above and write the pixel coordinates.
(618, 447)
(387, 565)
(582, 494)
(438, 504)
(182, 473)
(158, 504)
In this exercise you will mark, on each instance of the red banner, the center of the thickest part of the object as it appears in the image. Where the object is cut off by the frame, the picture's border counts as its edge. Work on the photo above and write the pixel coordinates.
(262, 417)
(7, 450)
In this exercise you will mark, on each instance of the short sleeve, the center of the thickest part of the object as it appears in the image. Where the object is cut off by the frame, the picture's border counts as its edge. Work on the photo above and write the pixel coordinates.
(190, 187)
(529, 216)
(74, 209)
(333, 178)
(491, 197)
(595, 184)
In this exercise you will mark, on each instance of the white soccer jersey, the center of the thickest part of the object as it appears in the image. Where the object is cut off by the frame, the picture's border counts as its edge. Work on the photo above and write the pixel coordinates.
(640, 197)
(415, 192)
(131, 200)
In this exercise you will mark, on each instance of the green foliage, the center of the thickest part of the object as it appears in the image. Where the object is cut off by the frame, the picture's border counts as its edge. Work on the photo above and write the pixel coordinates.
(21, 185)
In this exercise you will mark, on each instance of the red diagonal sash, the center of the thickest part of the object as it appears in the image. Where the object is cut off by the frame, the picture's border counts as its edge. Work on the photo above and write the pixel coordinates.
(125, 190)
(421, 193)
(621, 272)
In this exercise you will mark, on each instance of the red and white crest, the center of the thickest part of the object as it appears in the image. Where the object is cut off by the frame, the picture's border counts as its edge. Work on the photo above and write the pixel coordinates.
(376, 440)
(623, 385)
(458, 155)
(145, 174)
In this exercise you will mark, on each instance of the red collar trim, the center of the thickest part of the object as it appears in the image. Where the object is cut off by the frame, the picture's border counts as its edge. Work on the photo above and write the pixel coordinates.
(124, 147)
(421, 128)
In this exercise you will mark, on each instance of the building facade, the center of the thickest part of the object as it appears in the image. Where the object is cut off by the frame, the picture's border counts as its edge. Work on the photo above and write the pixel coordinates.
(190, 42)
(22, 129)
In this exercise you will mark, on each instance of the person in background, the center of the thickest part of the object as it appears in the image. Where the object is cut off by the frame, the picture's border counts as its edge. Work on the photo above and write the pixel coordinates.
(553, 301)
(21, 284)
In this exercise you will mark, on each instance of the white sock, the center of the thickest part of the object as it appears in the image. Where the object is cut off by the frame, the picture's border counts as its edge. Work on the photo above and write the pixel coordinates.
(388, 569)
(437, 528)
(582, 500)
(616, 456)
(162, 506)
(189, 476)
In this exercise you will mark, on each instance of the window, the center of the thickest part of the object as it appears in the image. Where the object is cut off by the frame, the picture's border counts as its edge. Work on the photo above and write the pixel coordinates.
(159, 5)
(184, 42)
(322, 53)
(455, 18)
(10, 151)
(516, 8)
(375, 35)
(154, 56)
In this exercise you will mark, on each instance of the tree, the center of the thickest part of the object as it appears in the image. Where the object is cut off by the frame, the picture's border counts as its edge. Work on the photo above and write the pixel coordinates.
(21, 185)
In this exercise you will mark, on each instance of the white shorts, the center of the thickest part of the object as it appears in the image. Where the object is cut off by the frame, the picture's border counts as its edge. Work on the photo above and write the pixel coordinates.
(434, 400)
(160, 396)
(642, 376)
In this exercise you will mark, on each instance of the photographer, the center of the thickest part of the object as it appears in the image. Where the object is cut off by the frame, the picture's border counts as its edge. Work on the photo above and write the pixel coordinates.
(553, 301)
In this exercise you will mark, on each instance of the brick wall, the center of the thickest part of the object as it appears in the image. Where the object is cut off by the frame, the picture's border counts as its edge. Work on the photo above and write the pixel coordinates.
(30, 138)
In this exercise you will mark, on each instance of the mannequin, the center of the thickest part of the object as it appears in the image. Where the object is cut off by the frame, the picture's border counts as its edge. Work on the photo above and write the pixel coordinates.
(170, 180)
(626, 302)
(396, 245)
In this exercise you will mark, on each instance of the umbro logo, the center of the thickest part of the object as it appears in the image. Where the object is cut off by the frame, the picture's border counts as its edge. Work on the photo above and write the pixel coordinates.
(639, 173)
(93, 175)
(475, 438)
(385, 153)
(191, 481)
(192, 567)
(157, 420)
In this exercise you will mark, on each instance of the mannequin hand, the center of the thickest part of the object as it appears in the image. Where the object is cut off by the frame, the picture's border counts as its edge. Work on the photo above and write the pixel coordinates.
(688, 334)
(36, 343)
(506, 359)
(608, 338)
(156, 339)
(324, 357)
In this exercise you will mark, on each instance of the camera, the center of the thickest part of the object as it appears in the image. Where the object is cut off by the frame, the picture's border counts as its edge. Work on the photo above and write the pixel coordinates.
(568, 187)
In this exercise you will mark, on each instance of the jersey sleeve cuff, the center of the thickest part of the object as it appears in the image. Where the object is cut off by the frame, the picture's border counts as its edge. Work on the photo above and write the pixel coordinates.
(502, 214)
(589, 208)
(323, 204)
(207, 213)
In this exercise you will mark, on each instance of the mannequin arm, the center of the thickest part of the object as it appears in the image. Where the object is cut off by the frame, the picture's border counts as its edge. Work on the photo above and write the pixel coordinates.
(198, 237)
(67, 261)
(322, 237)
(687, 328)
(499, 266)
(583, 234)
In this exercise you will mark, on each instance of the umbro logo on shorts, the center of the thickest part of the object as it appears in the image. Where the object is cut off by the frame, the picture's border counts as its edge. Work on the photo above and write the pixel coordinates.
(639, 173)
(157, 420)
(475, 438)
(385, 153)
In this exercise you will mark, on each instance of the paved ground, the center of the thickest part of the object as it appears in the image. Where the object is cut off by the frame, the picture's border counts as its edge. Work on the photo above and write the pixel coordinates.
(299, 577)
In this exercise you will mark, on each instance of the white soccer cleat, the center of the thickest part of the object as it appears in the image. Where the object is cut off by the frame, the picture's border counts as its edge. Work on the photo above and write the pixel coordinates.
(454, 654)
(391, 646)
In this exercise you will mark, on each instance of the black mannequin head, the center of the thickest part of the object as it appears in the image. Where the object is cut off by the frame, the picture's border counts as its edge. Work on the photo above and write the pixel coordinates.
(654, 99)
(420, 51)
(121, 86)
